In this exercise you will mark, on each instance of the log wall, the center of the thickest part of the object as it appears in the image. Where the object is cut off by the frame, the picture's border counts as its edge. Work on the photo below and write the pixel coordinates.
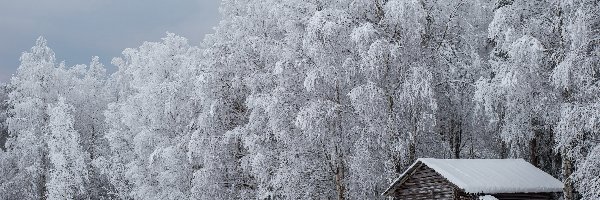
(423, 184)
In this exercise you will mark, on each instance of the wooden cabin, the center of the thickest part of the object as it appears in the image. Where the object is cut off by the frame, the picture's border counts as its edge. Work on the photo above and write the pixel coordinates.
(460, 179)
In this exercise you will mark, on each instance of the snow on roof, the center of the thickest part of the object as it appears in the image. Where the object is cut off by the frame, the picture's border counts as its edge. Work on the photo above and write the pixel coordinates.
(490, 176)
(487, 197)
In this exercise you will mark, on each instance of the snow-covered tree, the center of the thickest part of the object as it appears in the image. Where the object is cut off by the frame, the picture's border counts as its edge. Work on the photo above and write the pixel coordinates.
(68, 169)
(515, 91)
(89, 98)
(33, 89)
(216, 147)
(148, 122)
(510, 98)
(88, 95)
(376, 152)
(514, 20)
(455, 43)
(327, 80)
(3, 114)
(38, 83)
(418, 108)
(576, 78)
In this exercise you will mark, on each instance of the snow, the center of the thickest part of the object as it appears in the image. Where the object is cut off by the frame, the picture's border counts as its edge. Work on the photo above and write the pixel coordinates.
(494, 175)
(487, 197)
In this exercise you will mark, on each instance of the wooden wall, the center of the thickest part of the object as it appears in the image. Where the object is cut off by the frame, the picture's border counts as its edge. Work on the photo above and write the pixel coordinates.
(424, 183)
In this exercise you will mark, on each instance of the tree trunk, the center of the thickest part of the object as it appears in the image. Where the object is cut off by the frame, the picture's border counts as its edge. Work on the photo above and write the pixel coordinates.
(43, 190)
(503, 150)
(339, 182)
(92, 144)
(456, 139)
(567, 166)
(43, 178)
(340, 167)
(411, 151)
(533, 155)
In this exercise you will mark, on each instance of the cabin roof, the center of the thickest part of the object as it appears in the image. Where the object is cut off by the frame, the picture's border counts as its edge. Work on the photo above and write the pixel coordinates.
(488, 176)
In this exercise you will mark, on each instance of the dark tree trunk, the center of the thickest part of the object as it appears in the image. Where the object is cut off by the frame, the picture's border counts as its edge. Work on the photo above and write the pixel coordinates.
(411, 151)
(567, 171)
(456, 139)
(533, 156)
(42, 190)
(503, 150)
(339, 182)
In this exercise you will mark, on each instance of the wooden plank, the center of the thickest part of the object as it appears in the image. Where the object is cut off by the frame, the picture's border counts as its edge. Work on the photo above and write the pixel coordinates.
(424, 183)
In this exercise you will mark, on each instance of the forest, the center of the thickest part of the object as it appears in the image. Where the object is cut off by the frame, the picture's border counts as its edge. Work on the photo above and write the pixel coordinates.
(312, 99)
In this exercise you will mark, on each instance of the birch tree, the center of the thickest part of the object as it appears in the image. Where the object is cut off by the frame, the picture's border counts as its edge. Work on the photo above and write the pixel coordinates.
(68, 172)
(576, 80)
(34, 88)
(148, 123)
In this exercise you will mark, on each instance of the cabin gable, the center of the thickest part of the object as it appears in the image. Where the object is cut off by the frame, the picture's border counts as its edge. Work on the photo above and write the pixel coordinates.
(424, 183)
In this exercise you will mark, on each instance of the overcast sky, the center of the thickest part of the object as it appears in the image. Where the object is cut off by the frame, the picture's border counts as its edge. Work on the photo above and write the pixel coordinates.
(77, 30)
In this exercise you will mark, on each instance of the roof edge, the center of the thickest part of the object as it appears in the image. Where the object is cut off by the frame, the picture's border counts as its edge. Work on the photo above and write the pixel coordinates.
(403, 177)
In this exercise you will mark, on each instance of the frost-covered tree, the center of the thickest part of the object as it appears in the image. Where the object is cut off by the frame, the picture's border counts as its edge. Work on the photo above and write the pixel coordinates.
(517, 98)
(576, 79)
(513, 22)
(87, 94)
(276, 94)
(392, 94)
(586, 178)
(327, 81)
(418, 109)
(3, 114)
(6, 163)
(376, 153)
(216, 147)
(148, 122)
(38, 83)
(68, 169)
(455, 43)
(33, 89)
(577, 136)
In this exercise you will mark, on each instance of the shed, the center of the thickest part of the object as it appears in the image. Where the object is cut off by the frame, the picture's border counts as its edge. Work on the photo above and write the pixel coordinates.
(430, 178)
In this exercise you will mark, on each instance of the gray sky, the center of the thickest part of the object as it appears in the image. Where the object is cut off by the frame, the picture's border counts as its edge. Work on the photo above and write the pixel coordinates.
(77, 30)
